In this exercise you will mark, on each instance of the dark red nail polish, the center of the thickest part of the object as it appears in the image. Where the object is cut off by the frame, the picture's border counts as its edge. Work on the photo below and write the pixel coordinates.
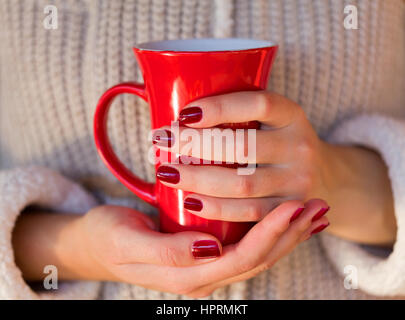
(319, 229)
(204, 249)
(190, 115)
(193, 204)
(163, 138)
(320, 214)
(168, 174)
(296, 214)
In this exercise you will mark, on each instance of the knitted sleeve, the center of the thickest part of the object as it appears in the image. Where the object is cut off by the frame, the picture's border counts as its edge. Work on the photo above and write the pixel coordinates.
(42, 187)
(375, 275)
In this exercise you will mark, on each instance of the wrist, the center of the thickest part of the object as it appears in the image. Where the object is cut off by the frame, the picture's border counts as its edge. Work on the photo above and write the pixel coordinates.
(79, 261)
(71, 251)
(41, 239)
(67, 252)
(360, 195)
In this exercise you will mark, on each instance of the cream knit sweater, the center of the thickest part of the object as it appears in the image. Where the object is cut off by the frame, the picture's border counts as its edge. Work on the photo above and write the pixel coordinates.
(350, 83)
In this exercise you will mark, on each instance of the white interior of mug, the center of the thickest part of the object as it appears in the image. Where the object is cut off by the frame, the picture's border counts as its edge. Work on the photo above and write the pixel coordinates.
(205, 45)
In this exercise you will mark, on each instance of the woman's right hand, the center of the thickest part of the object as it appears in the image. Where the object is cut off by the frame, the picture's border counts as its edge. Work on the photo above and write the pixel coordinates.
(122, 244)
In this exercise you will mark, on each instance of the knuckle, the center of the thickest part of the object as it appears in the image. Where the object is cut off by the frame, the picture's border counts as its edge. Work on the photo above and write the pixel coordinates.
(220, 212)
(218, 105)
(169, 256)
(306, 180)
(306, 149)
(253, 213)
(263, 105)
(244, 186)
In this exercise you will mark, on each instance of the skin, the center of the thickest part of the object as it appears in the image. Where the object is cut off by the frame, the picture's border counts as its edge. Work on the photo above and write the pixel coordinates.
(296, 169)
(294, 163)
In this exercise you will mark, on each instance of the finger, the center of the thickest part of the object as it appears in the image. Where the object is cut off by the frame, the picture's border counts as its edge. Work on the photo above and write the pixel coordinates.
(300, 226)
(250, 252)
(228, 209)
(236, 259)
(177, 283)
(309, 219)
(144, 245)
(300, 229)
(266, 181)
(226, 145)
(269, 108)
(316, 227)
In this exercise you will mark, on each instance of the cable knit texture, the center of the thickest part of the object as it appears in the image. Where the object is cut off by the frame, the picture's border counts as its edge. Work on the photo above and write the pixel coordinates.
(42, 187)
(349, 82)
(378, 276)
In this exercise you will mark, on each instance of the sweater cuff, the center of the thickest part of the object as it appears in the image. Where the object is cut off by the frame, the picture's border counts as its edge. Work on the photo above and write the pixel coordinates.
(376, 275)
(45, 188)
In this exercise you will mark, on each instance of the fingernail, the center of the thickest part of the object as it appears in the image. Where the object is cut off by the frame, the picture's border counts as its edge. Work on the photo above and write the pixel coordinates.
(320, 214)
(190, 115)
(163, 138)
(168, 174)
(193, 204)
(296, 214)
(204, 249)
(319, 229)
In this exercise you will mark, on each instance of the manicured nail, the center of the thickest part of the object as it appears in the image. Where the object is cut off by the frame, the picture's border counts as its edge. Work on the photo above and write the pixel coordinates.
(193, 204)
(168, 174)
(163, 137)
(204, 249)
(320, 214)
(190, 115)
(319, 229)
(296, 214)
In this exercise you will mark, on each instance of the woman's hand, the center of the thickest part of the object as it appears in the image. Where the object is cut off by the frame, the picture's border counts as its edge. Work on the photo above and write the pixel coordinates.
(122, 245)
(112, 243)
(293, 163)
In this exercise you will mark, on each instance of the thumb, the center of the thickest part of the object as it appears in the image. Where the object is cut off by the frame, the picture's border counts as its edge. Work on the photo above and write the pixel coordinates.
(171, 249)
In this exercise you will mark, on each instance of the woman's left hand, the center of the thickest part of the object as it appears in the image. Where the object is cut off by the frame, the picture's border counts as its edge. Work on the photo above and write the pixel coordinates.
(293, 163)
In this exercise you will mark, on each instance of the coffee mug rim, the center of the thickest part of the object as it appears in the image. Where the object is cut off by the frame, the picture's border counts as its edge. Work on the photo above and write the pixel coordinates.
(257, 44)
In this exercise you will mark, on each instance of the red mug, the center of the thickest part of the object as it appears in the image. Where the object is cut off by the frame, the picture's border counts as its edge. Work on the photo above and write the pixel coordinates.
(175, 73)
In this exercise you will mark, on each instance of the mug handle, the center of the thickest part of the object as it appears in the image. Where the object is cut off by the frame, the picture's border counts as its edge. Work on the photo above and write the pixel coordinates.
(143, 189)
